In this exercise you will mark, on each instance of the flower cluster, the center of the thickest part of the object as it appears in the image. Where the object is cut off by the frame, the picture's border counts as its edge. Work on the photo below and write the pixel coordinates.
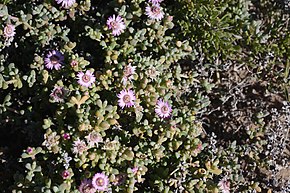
(55, 60)
(80, 134)
(153, 11)
(127, 98)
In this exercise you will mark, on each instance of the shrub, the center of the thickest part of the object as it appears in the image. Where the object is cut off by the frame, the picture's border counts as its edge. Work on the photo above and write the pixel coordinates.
(81, 72)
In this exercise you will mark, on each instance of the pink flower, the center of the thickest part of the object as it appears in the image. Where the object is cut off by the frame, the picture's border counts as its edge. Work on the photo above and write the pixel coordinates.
(129, 71)
(58, 94)
(126, 98)
(163, 109)
(100, 182)
(29, 150)
(155, 1)
(54, 60)
(224, 185)
(79, 147)
(87, 186)
(74, 63)
(154, 12)
(65, 3)
(116, 24)
(9, 31)
(65, 174)
(86, 79)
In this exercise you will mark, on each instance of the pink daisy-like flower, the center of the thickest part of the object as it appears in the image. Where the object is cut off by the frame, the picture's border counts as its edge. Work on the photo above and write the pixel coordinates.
(65, 3)
(224, 185)
(9, 31)
(100, 182)
(116, 24)
(163, 109)
(54, 60)
(58, 93)
(129, 71)
(126, 98)
(154, 12)
(86, 79)
(79, 147)
(155, 1)
(87, 186)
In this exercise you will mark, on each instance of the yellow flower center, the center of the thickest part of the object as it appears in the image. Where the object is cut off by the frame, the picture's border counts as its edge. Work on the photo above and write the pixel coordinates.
(100, 182)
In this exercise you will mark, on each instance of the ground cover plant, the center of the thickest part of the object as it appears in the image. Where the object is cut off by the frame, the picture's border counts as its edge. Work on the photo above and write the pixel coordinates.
(144, 96)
